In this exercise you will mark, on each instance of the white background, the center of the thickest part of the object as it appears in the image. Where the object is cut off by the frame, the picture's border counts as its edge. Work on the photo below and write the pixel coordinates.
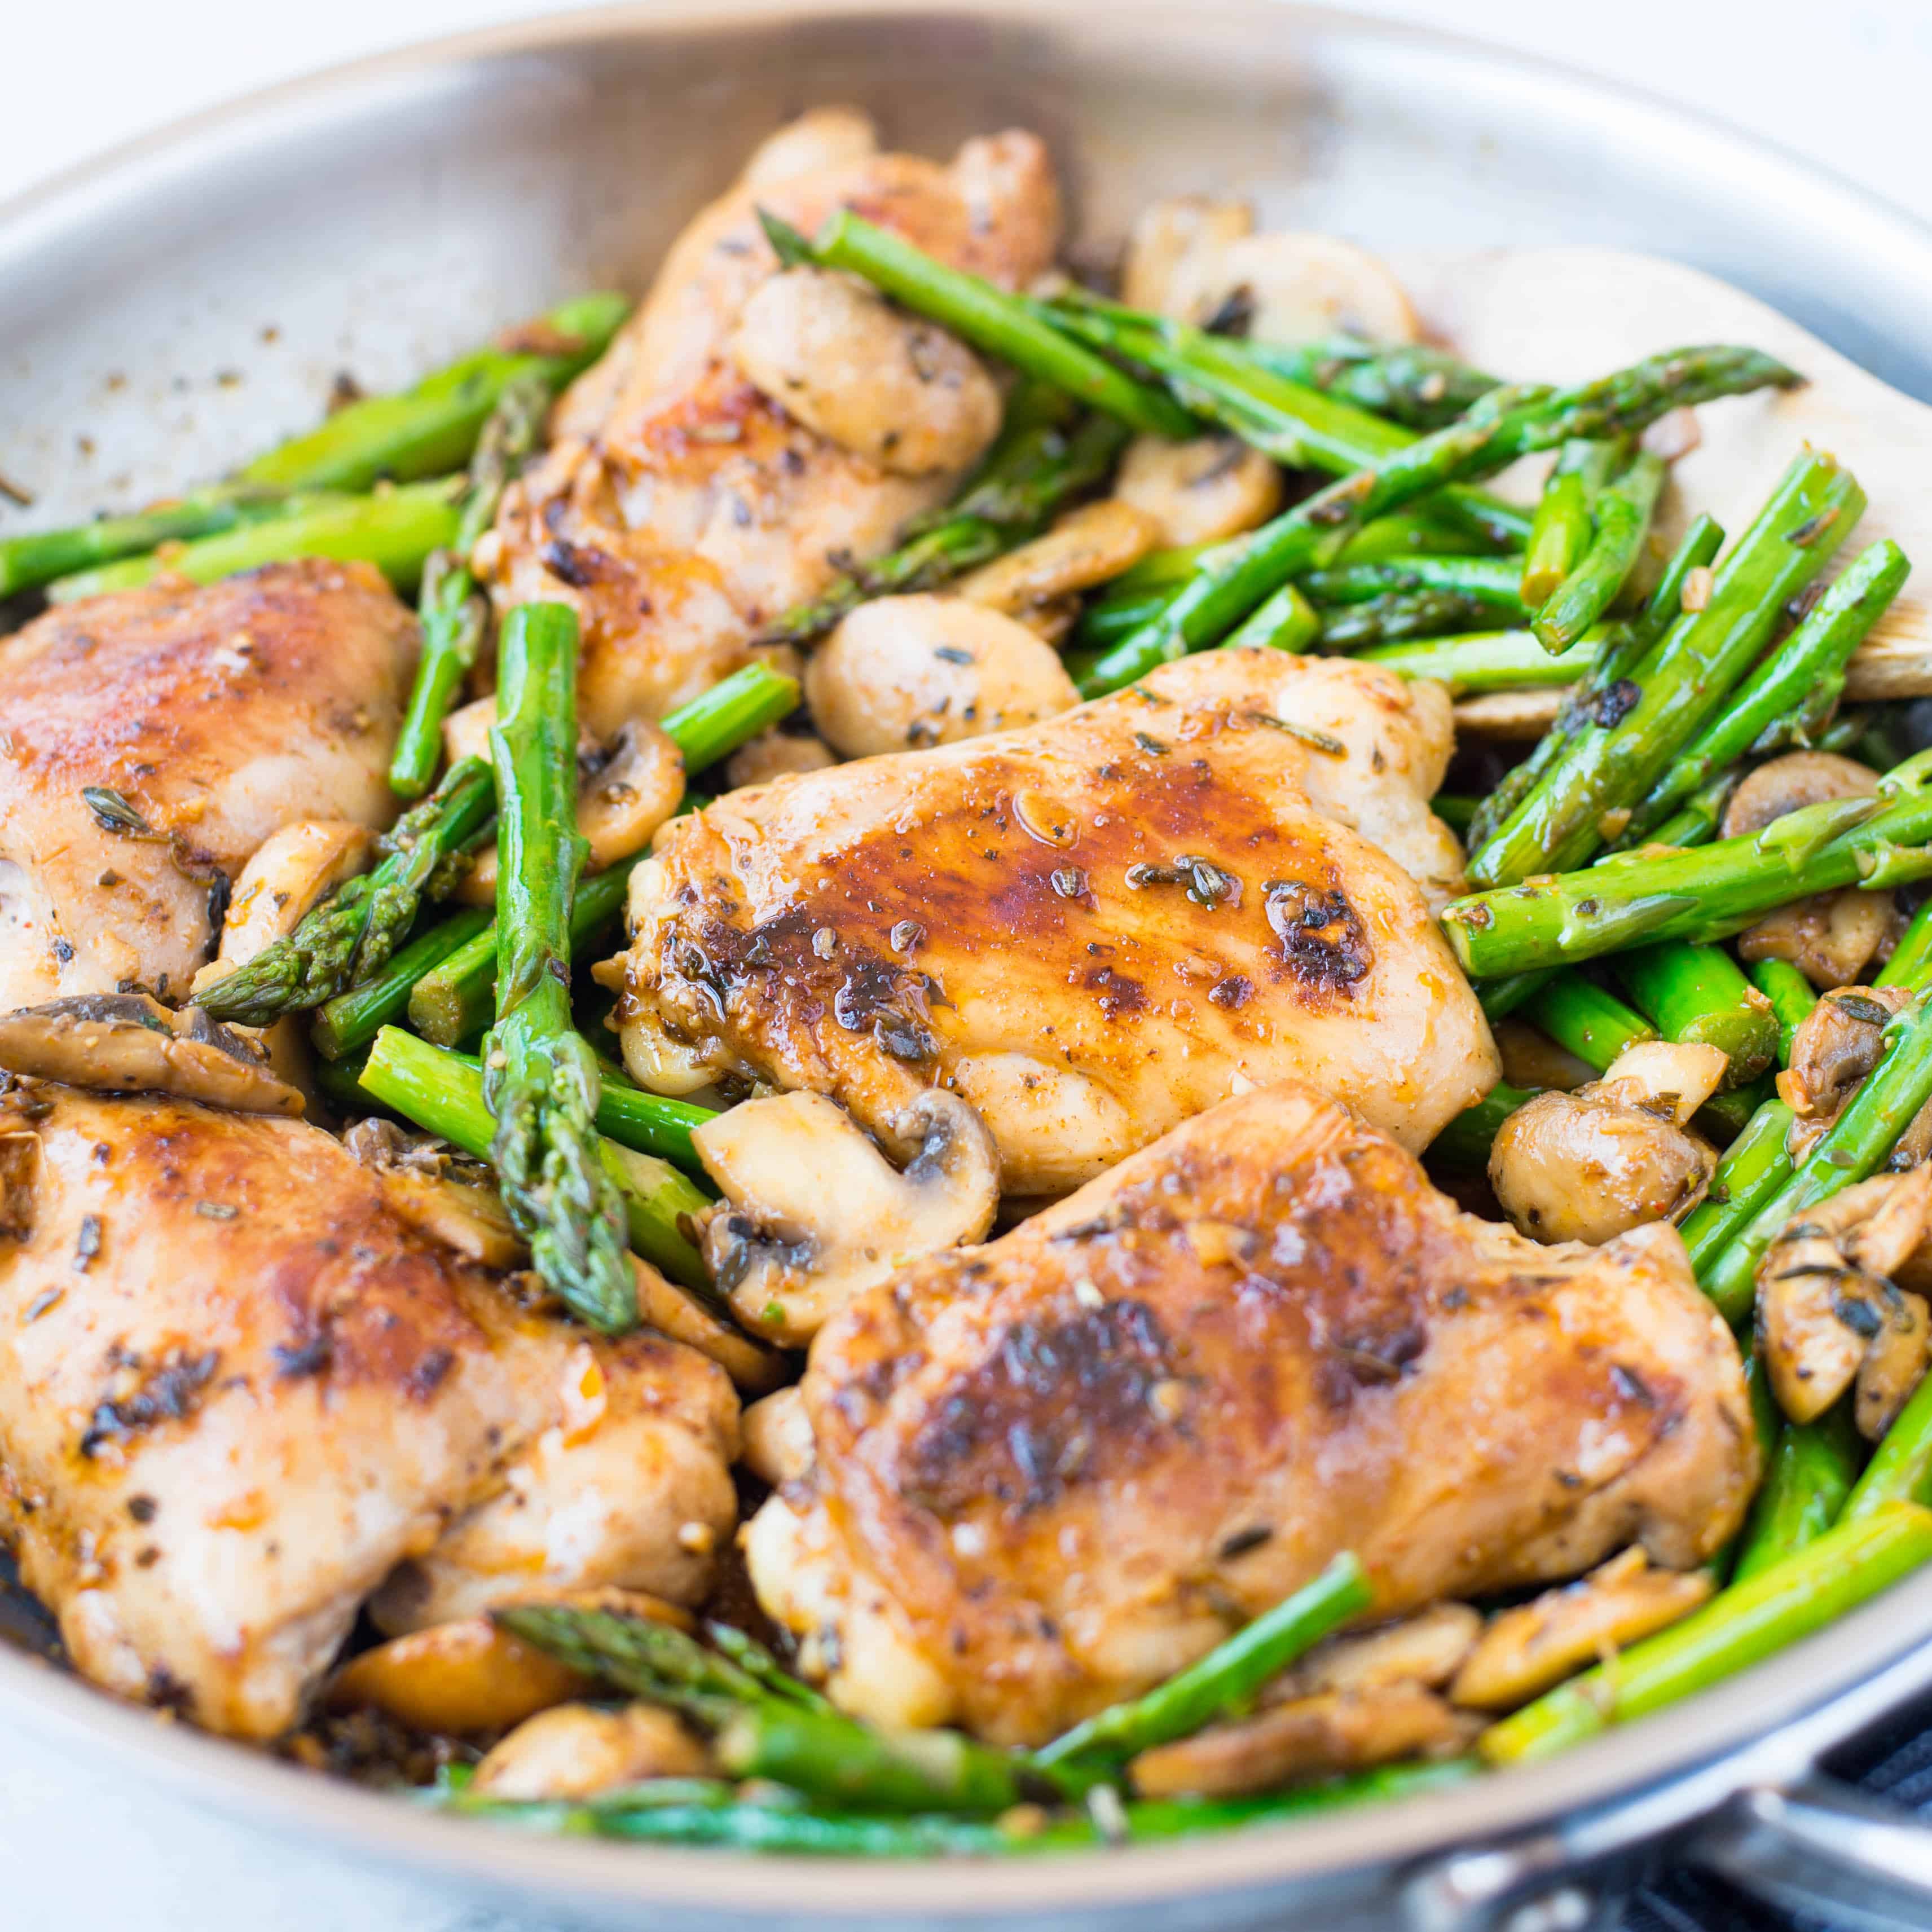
(1845, 82)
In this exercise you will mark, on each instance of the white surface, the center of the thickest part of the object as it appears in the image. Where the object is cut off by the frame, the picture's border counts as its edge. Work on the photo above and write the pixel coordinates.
(1845, 84)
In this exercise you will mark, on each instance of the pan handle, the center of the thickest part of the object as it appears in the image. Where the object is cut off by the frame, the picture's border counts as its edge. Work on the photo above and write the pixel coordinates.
(1822, 1847)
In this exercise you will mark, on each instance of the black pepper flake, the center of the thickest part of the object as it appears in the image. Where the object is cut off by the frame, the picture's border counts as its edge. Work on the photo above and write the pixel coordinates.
(1808, 532)
(142, 1509)
(47, 1298)
(87, 1245)
(1153, 748)
(1242, 1540)
(311, 1358)
(952, 654)
(1609, 708)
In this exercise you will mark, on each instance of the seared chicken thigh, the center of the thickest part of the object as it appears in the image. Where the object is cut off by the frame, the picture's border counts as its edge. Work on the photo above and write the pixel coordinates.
(237, 1391)
(218, 713)
(1050, 1471)
(1091, 929)
(679, 507)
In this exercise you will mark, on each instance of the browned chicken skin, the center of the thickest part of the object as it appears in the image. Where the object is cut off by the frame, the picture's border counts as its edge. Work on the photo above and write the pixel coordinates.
(220, 713)
(237, 1391)
(1090, 928)
(1052, 1471)
(679, 509)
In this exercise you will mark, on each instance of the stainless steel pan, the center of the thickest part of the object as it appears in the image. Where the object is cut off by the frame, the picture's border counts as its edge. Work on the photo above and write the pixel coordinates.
(165, 312)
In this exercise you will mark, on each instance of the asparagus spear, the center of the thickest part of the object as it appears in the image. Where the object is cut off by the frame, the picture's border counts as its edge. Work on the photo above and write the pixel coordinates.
(1229, 1675)
(1486, 661)
(443, 1092)
(1697, 993)
(346, 1023)
(1494, 581)
(432, 428)
(1792, 693)
(1286, 622)
(1791, 998)
(1399, 614)
(1701, 543)
(689, 1811)
(1560, 532)
(1021, 487)
(1705, 893)
(1622, 512)
(427, 431)
(1846, 1567)
(1410, 383)
(1001, 324)
(1585, 1019)
(397, 530)
(761, 1732)
(346, 940)
(540, 1078)
(1508, 423)
(1455, 809)
(1609, 766)
(1755, 1166)
(450, 605)
(1813, 1469)
(1900, 1469)
(450, 1002)
(1851, 1149)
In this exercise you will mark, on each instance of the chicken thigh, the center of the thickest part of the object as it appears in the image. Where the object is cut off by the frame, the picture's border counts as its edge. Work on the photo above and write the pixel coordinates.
(1091, 929)
(214, 715)
(1050, 1471)
(237, 1391)
(679, 508)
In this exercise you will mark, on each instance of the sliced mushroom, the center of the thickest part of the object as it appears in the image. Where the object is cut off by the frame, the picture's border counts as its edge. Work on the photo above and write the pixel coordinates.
(291, 872)
(903, 672)
(1525, 1650)
(469, 1219)
(1613, 1155)
(1826, 1304)
(1172, 243)
(1831, 936)
(753, 1367)
(577, 1750)
(814, 1213)
(1333, 1731)
(454, 1679)
(889, 386)
(1297, 288)
(129, 1043)
(1200, 491)
(779, 1447)
(466, 731)
(1895, 1365)
(776, 755)
(1086, 547)
(618, 806)
(1837, 1044)
(1427, 1649)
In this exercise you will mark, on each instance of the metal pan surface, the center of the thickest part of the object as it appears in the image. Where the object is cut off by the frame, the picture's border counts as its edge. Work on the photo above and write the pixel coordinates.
(170, 309)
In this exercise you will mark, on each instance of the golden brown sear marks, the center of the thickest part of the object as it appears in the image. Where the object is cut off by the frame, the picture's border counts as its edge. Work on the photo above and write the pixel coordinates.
(215, 714)
(1091, 927)
(1052, 1471)
(237, 1391)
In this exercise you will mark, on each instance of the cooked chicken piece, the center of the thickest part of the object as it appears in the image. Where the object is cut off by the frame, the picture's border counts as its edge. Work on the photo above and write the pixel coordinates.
(217, 714)
(1052, 1471)
(1091, 929)
(577, 1751)
(1203, 491)
(237, 1391)
(679, 508)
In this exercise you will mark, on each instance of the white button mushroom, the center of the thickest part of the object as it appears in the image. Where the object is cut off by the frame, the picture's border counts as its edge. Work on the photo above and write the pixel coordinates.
(907, 672)
(887, 386)
(1200, 491)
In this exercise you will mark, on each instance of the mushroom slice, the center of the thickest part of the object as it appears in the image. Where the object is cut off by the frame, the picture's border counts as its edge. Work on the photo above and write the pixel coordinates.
(1525, 1650)
(1200, 491)
(466, 731)
(131, 1043)
(618, 806)
(1825, 1304)
(813, 1212)
(471, 1220)
(577, 1751)
(1786, 784)
(779, 1447)
(1427, 1649)
(891, 387)
(754, 1369)
(1894, 1364)
(1534, 1061)
(776, 755)
(1086, 547)
(922, 670)
(1297, 288)
(1836, 1045)
(1613, 1155)
(1333, 1731)
(291, 872)
(1174, 242)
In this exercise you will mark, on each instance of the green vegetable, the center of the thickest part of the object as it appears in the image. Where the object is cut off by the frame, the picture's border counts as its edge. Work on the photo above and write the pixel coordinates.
(1697, 995)
(346, 1023)
(1811, 1472)
(1791, 998)
(1492, 660)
